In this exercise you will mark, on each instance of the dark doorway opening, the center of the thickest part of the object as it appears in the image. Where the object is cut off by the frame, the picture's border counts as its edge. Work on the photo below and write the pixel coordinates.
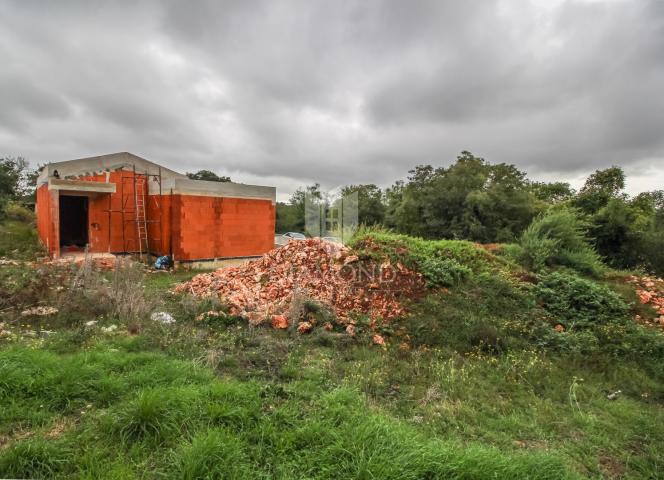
(73, 221)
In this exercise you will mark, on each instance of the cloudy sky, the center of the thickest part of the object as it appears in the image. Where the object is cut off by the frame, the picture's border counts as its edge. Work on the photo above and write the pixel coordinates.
(289, 93)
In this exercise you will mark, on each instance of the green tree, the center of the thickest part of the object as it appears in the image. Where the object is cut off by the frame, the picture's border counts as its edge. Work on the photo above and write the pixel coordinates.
(651, 246)
(393, 199)
(290, 216)
(471, 199)
(599, 188)
(207, 175)
(15, 176)
(371, 209)
(17, 181)
(554, 192)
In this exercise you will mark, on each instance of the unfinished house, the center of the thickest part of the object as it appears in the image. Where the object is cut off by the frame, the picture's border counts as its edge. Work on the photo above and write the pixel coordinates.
(124, 204)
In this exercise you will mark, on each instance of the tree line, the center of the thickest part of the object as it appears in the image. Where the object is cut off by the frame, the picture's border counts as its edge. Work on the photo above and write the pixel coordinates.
(476, 200)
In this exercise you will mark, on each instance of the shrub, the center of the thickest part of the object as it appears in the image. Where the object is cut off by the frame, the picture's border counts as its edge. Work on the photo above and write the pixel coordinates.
(91, 293)
(558, 238)
(18, 240)
(442, 262)
(444, 272)
(16, 211)
(126, 296)
(578, 303)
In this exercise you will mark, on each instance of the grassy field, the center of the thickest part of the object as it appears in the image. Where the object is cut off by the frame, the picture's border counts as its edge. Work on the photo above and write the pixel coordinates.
(484, 389)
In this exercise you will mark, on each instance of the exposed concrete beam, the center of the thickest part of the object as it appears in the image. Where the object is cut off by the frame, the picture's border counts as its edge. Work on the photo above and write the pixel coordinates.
(80, 186)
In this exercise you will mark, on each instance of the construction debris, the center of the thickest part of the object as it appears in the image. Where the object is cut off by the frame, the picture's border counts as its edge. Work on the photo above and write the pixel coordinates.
(102, 261)
(262, 290)
(279, 321)
(304, 327)
(650, 291)
(39, 311)
(162, 317)
(378, 340)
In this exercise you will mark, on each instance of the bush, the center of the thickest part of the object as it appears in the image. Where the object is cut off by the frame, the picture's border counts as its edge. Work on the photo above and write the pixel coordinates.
(579, 304)
(445, 272)
(16, 211)
(19, 241)
(442, 262)
(558, 238)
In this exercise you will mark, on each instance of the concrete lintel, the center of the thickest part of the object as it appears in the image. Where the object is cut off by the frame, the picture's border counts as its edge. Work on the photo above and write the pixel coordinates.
(80, 186)
(185, 186)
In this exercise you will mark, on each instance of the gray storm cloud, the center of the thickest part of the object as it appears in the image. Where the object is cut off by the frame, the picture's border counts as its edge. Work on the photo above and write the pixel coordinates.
(288, 93)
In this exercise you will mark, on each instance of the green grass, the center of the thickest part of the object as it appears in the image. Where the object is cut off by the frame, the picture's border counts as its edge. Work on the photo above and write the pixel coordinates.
(191, 425)
(486, 389)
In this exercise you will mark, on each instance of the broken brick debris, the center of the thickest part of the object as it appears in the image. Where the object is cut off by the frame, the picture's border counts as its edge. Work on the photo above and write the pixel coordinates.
(279, 321)
(304, 327)
(650, 291)
(322, 271)
(378, 340)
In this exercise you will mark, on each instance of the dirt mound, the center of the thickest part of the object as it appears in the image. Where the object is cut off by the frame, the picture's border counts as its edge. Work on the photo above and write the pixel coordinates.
(325, 272)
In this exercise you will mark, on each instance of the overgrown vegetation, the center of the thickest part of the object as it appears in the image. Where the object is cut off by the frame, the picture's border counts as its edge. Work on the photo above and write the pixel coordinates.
(499, 372)
(475, 200)
(557, 238)
(580, 304)
(443, 262)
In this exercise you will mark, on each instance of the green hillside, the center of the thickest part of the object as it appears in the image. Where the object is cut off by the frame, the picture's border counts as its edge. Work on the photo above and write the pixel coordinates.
(502, 368)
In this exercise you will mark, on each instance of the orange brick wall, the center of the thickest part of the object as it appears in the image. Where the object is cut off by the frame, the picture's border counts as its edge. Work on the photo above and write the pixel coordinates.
(212, 227)
(192, 227)
(103, 238)
(47, 218)
(159, 236)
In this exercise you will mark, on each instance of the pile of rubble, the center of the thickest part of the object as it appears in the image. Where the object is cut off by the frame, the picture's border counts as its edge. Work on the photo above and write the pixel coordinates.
(102, 261)
(650, 291)
(265, 289)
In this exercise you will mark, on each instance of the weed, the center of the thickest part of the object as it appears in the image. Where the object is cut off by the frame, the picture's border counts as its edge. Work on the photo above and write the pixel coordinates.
(153, 414)
(35, 458)
(484, 387)
(213, 454)
(573, 401)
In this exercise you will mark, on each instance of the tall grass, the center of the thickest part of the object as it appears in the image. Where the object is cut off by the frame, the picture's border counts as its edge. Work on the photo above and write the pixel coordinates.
(213, 454)
(207, 428)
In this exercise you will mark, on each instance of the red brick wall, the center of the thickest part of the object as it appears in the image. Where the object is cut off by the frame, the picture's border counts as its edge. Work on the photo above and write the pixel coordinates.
(100, 222)
(248, 227)
(159, 236)
(47, 204)
(212, 227)
(192, 227)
